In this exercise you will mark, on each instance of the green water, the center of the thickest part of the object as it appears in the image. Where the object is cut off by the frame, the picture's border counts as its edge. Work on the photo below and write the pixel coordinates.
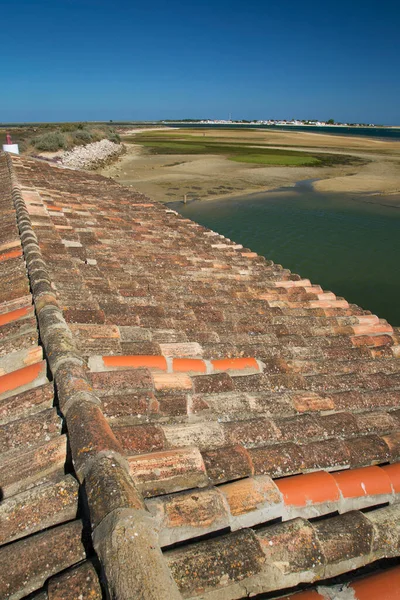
(346, 244)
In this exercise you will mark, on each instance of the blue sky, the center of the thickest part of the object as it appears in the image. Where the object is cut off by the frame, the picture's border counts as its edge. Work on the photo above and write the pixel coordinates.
(98, 60)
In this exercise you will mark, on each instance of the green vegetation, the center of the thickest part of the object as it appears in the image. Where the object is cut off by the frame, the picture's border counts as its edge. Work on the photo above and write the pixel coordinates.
(50, 137)
(275, 159)
(246, 152)
(71, 134)
(49, 142)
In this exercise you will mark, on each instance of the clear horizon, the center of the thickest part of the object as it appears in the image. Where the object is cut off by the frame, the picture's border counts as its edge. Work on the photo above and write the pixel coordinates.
(116, 121)
(87, 60)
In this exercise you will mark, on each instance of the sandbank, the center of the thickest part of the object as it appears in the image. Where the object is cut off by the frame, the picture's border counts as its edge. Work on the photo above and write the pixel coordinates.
(169, 178)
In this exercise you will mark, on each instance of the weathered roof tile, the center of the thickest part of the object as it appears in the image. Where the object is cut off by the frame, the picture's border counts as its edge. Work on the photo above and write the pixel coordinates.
(79, 582)
(38, 508)
(202, 568)
(227, 463)
(203, 370)
(26, 403)
(30, 431)
(28, 563)
(168, 471)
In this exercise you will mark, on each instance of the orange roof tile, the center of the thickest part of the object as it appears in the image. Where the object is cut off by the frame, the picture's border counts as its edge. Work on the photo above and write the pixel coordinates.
(187, 365)
(12, 254)
(393, 472)
(235, 364)
(368, 481)
(21, 377)
(312, 488)
(382, 586)
(152, 362)
(14, 315)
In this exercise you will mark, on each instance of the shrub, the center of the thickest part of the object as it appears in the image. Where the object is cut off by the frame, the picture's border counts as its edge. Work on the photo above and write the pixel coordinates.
(97, 134)
(114, 137)
(50, 142)
(82, 136)
(68, 127)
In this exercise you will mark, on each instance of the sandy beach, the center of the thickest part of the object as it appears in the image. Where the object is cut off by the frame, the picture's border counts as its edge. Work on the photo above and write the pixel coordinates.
(205, 176)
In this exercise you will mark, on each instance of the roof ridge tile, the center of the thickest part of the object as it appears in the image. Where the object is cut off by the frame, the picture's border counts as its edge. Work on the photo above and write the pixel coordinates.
(84, 417)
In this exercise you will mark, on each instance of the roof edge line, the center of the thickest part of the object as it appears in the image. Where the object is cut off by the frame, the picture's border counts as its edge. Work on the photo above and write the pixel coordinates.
(66, 366)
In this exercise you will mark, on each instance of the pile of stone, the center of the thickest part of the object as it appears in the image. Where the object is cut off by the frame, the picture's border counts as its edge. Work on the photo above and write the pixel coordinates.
(92, 156)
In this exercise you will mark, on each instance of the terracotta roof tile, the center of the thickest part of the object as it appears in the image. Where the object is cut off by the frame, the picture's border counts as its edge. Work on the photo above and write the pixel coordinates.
(39, 557)
(227, 463)
(187, 515)
(86, 425)
(367, 481)
(393, 472)
(172, 381)
(168, 471)
(38, 508)
(392, 441)
(295, 545)
(379, 422)
(192, 373)
(378, 586)
(252, 501)
(22, 379)
(346, 537)
(201, 568)
(216, 383)
(368, 450)
(384, 586)
(20, 471)
(81, 581)
(298, 550)
(386, 541)
(136, 380)
(255, 500)
(15, 315)
(278, 460)
(30, 431)
(313, 488)
(26, 403)
(140, 439)
(109, 488)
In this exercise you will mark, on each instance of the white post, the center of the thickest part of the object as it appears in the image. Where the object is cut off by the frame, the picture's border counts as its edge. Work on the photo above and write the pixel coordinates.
(9, 146)
(13, 148)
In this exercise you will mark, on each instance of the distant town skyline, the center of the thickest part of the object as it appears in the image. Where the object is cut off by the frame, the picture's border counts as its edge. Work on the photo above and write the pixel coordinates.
(91, 60)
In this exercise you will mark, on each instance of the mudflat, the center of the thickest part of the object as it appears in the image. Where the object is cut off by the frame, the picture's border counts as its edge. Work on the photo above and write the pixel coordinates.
(207, 164)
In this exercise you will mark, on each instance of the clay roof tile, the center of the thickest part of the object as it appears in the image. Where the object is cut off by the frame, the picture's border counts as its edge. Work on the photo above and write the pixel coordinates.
(204, 391)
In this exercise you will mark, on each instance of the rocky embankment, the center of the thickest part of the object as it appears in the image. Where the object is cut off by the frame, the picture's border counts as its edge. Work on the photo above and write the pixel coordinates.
(92, 156)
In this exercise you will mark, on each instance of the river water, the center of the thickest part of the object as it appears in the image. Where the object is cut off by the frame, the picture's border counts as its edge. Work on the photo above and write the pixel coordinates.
(348, 244)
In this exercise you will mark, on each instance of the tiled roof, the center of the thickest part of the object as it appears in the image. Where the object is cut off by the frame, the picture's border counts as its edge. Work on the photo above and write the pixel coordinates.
(228, 427)
(383, 585)
(40, 522)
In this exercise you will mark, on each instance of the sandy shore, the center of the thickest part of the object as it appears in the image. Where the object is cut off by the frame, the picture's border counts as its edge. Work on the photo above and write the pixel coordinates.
(170, 177)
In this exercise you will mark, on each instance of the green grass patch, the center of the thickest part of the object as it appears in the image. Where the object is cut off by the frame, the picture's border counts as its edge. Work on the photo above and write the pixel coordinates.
(245, 152)
(240, 152)
(161, 147)
(274, 159)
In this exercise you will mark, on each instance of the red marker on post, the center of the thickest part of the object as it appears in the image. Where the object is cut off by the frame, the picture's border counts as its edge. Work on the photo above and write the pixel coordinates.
(9, 146)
